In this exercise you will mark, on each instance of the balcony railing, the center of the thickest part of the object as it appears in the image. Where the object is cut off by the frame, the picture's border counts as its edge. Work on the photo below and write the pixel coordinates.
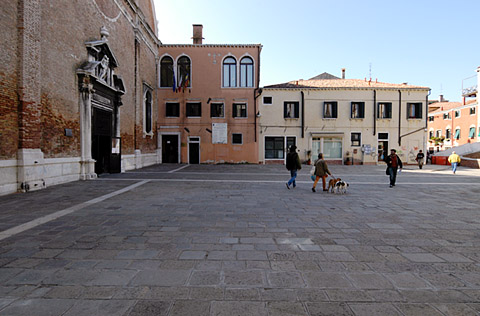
(470, 91)
(469, 86)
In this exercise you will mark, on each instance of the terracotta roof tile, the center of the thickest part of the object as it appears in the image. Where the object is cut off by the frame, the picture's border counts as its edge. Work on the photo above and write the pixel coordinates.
(444, 106)
(341, 83)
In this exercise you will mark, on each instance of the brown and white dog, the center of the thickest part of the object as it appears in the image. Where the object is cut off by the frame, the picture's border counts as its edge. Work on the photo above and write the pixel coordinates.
(341, 187)
(332, 183)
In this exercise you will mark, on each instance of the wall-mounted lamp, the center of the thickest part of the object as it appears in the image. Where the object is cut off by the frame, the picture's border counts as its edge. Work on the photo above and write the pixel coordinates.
(186, 129)
(209, 130)
(208, 101)
(258, 114)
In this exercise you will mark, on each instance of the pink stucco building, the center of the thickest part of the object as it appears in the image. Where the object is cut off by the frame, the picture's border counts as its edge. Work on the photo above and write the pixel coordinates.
(207, 111)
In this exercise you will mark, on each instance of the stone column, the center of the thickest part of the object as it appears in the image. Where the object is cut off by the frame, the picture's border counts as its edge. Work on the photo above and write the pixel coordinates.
(87, 164)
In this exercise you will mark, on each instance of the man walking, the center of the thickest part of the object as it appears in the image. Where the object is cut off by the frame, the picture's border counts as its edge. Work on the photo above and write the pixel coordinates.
(454, 159)
(393, 164)
(293, 164)
(419, 158)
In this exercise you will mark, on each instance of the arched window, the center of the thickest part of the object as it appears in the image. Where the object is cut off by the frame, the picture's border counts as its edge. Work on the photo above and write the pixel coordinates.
(229, 72)
(183, 71)
(246, 72)
(166, 72)
(148, 111)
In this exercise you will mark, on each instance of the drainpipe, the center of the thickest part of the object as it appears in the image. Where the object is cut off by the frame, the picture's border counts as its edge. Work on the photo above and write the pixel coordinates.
(255, 94)
(426, 110)
(303, 114)
(374, 112)
(135, 94)
(399, 117)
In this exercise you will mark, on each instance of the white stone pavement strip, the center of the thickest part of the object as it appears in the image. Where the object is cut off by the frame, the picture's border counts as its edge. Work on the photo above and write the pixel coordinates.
(45, 219)
(399, 183)
(178, 169)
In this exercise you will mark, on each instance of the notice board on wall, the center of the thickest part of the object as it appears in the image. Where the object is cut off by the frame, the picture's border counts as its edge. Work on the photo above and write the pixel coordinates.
(219, 133)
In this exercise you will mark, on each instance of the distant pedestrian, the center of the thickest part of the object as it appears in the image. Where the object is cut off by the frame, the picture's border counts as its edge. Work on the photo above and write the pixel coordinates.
(429, 157)
(454, 159)
(394, 163)
(321, 171)
(419, 159)
(293, 165)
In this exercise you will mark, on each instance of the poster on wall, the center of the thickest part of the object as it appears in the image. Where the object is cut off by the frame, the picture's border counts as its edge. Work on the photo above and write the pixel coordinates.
(219, 133)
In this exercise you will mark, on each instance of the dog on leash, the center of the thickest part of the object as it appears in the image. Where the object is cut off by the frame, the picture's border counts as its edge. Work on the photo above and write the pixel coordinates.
(332, 183)
(340, 187)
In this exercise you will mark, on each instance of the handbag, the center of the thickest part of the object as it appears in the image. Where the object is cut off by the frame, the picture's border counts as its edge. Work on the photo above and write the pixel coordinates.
(387, 172)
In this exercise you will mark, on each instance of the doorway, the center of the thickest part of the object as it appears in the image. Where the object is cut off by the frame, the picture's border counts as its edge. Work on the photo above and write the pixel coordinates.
(101, 139)
(194, 150)
(169, 148)
(382, 146)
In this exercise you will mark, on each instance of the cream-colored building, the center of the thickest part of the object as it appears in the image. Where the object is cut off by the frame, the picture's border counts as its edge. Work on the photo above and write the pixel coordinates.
(348, 120)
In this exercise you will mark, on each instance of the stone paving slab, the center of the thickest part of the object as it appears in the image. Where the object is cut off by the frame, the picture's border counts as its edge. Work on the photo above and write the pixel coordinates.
(232, 240)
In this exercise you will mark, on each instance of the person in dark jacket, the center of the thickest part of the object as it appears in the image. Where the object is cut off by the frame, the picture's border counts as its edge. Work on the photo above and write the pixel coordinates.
(393, 164)
(321, 171)
(419, 159)
(293, 164)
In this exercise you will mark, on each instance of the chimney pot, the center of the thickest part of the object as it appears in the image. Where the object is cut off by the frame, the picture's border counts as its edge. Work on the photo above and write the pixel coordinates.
(343, 73)
(197, 34)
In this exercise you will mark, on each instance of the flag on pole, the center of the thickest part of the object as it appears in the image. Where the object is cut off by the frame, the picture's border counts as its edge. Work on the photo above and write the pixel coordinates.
(174, 86)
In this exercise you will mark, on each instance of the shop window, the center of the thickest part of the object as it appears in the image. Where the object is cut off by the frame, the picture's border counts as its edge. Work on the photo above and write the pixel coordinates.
(274, 147)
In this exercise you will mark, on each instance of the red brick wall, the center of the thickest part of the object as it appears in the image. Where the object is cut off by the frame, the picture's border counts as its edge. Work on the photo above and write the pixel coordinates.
(8, 80)
(43, 44)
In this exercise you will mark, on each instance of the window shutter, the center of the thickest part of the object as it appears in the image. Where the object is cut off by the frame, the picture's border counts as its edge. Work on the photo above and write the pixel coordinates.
(285, 110)
(297, 110)
(334, 110)
(418, 111)
(362, 110)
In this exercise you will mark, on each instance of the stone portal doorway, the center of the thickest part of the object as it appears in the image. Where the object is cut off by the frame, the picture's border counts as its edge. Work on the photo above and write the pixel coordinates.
(101, 139)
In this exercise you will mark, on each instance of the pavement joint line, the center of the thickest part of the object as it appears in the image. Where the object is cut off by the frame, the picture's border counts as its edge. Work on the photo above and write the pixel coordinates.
(279, 181)
(178, 169)
(50, 217)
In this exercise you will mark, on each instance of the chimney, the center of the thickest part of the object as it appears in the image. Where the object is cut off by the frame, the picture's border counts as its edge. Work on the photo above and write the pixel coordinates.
(343, 73)
(441, 99)
(197, 34)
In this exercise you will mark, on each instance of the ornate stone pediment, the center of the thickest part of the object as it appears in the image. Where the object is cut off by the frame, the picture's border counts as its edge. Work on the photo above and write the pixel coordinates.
(101, 64)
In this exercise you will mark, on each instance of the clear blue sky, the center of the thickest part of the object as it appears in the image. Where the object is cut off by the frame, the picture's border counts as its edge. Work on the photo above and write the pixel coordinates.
(431, 43)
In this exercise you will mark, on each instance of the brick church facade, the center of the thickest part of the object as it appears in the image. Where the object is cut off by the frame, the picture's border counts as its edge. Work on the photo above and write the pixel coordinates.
(77, 89)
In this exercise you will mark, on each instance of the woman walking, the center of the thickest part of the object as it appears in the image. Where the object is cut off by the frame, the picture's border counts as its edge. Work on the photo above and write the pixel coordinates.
(321, 171)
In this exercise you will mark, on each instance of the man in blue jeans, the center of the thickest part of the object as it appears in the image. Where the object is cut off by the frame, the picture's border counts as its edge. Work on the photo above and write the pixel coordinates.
(454, 159)
(393, 164)
(293, 164)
